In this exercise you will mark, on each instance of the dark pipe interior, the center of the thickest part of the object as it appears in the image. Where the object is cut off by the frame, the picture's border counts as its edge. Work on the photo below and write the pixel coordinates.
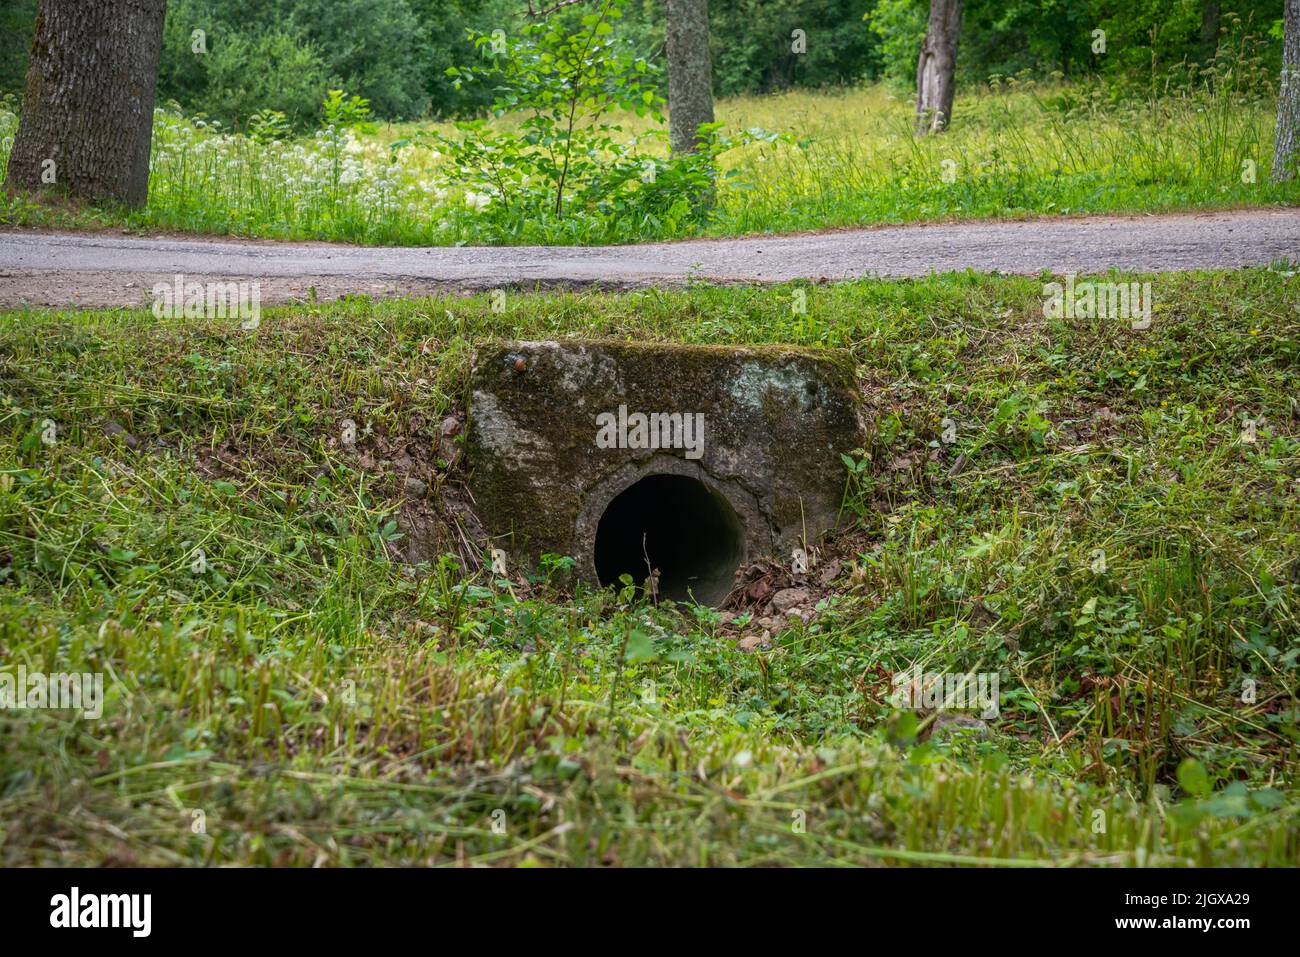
(690, 533)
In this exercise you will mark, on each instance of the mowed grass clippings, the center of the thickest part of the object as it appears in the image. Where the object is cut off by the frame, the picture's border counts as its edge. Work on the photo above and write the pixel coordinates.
(307, 663)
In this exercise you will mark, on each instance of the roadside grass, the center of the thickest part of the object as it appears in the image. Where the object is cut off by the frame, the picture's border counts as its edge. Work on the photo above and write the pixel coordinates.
(1014, 150)
(340, 681)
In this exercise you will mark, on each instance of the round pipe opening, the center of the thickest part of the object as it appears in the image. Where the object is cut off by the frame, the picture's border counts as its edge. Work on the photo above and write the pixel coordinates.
(675, 524)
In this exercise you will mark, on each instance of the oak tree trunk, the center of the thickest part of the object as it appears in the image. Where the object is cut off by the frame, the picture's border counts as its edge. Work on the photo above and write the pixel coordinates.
(1286, 150)
(690, 73)
(87, 115)
(938, 65)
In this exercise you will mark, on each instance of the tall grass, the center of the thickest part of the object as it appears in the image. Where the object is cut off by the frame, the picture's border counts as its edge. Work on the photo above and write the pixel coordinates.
(1013, 150)
(1023, 151)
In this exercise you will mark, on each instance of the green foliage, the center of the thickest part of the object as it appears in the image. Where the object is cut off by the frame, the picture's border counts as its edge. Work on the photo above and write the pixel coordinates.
(333, 666)
(274, 70)
(283, 55)
(754, 45)
(447, 27)
(1020, 149)
(1035, 37)
(396, 52)
(344, 111)
(1153, 45)
(900, 25)
(371, 47)
(268, 126)
(566, 76)
(753, 42)
(16, 20)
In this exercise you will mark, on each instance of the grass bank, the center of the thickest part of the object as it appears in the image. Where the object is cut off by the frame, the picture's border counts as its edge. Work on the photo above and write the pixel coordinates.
(306, 662)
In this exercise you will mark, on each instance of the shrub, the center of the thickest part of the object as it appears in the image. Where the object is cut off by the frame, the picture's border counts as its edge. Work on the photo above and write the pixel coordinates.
(565, 160)
(273, 71)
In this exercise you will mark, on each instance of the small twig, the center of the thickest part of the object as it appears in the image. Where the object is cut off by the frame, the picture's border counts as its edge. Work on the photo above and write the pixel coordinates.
(652, 574)
(558, 5)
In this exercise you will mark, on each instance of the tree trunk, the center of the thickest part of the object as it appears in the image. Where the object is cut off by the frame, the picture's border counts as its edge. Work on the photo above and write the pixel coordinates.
(1209, 29)
(87, 116)
(690, 73)
(937, 66)
(1286, 151)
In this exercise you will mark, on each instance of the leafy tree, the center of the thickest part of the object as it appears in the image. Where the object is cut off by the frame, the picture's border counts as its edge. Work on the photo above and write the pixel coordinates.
(285, 54)
(447, 26)
(1038, 36)
(566, 73)
(756, 48)
(1148, 44)
(276, 70)
(567, 168)
(369, 47)
(900, 25)
(182, 72)
(16, 20)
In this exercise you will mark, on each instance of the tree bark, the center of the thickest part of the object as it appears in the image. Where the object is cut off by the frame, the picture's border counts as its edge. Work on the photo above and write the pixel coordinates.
(1286, 149)
(937, 66)
(87, 117)
(1210, 17)
(690, 73)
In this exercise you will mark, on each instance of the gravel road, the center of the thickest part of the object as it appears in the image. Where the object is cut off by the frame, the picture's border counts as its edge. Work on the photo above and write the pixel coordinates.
(67, 269)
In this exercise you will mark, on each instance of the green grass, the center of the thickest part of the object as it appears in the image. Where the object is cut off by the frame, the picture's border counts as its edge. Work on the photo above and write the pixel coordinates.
(1013, 151)
(322, 701)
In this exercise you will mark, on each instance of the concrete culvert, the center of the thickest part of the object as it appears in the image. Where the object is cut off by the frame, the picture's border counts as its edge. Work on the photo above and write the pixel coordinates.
(677, 525)
(718, 455)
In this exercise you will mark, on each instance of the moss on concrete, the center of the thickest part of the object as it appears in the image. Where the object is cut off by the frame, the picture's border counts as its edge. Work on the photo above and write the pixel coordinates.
(776, 418)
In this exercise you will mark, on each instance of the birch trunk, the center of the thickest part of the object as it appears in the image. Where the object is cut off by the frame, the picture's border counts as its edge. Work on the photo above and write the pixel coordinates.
(1286, 150)
(690, 73)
